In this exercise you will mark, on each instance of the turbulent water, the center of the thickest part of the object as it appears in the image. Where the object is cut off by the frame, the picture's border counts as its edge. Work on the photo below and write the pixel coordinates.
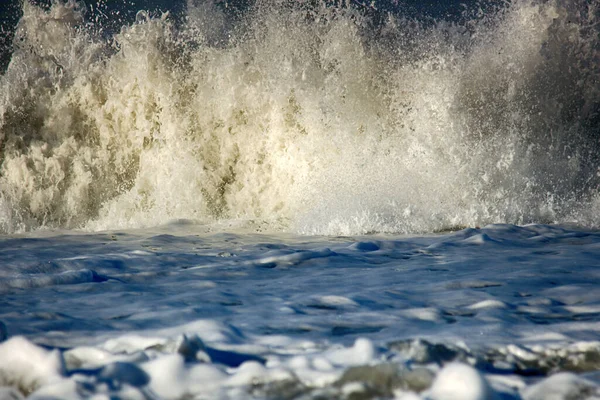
(300, 200)
(179, 312)
(311, 118)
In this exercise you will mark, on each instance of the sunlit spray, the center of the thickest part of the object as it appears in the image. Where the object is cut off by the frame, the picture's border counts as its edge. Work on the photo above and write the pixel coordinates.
(307, 117)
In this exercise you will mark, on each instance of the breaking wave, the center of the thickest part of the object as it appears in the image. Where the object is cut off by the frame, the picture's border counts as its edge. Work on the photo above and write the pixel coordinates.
(317, 118)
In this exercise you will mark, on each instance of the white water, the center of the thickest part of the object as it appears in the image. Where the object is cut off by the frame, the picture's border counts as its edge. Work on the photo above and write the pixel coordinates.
(304, 118)
(175, 312)
(163, 191)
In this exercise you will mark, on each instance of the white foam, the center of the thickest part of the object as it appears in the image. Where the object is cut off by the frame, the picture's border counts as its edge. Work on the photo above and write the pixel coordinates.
(336, 301)
(7, 393)
(322, 128)
(562, 386)
(363, 352)
(488, 304)
(171, 379)
(28, 366)
(460, 381)
(353, 321)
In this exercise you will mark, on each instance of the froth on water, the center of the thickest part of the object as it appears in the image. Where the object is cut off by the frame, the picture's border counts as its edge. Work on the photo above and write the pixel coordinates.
(313, 117)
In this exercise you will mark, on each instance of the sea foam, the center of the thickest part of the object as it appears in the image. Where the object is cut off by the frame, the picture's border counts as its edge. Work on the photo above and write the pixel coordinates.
(318, 119)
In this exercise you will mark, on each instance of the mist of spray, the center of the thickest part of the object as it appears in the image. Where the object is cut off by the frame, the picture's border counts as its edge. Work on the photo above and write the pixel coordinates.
(307, 117)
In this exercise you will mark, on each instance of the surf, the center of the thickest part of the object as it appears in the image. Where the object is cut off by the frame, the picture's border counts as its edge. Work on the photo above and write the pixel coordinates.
(313, 118)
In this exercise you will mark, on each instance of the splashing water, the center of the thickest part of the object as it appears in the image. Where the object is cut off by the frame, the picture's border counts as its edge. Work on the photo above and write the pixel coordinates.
(313, 118)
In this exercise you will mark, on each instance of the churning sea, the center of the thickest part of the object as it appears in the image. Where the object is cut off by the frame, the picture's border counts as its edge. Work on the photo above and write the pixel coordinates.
(300, 200)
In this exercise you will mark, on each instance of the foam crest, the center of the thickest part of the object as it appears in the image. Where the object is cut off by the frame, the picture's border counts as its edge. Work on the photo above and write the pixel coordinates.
(317, 118)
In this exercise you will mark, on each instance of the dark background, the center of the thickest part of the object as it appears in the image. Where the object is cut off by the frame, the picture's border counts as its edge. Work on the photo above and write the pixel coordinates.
(116, 13)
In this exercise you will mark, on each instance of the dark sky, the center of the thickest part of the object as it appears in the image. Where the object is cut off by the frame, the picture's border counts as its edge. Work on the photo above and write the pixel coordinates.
(10, 12)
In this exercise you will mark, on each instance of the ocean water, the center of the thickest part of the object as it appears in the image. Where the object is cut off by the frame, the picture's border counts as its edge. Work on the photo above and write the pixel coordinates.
(301, 200)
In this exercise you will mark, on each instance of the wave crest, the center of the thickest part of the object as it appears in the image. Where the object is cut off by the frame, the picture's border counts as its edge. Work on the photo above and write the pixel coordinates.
(323, 119)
